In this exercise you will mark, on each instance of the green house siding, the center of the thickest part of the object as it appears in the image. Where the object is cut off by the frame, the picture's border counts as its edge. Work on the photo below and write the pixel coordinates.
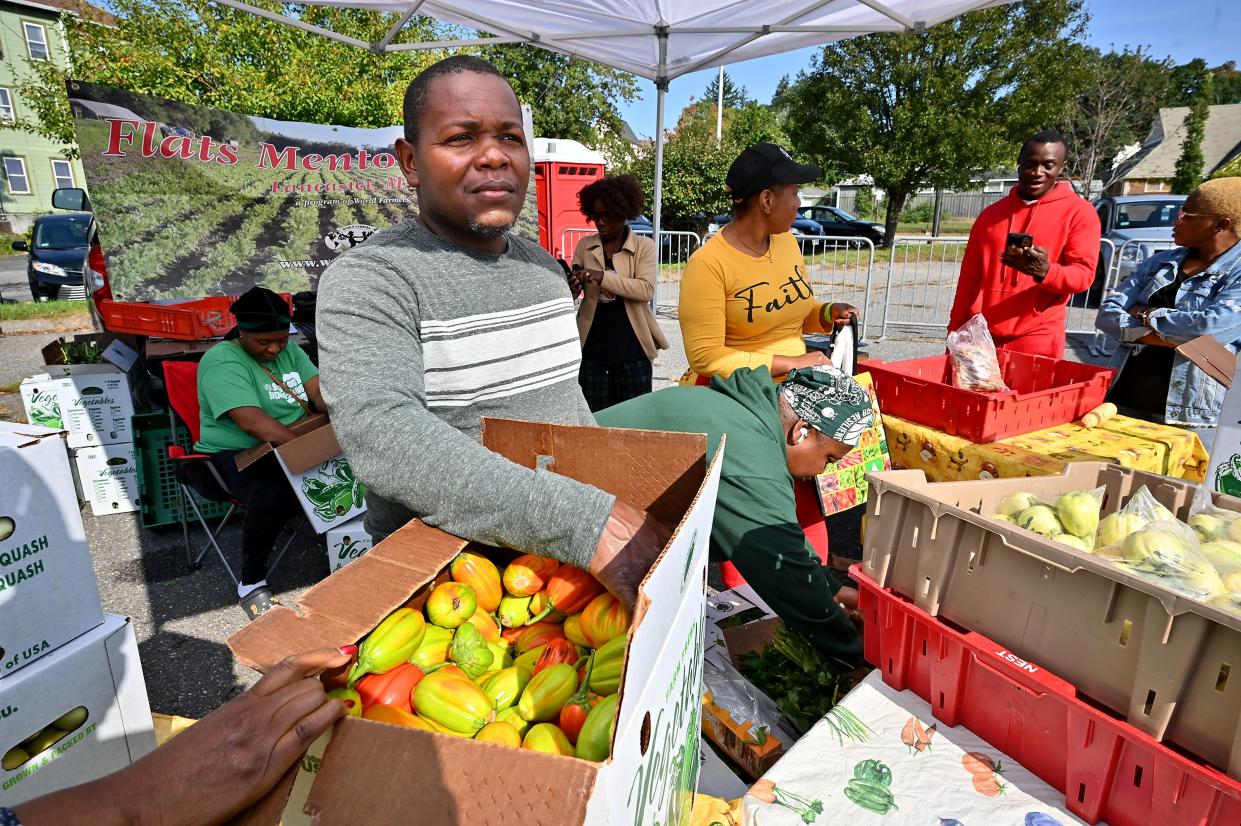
(36, 153)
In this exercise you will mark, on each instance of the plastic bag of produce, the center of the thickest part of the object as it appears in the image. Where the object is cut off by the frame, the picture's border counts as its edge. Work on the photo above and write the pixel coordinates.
(1168, 552)
(734, 692)
(1070, 519)
(1141, 510)
(971, 352)
(1212, 523)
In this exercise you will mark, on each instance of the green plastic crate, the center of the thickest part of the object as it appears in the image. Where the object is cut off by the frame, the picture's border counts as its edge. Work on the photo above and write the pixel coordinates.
(157, 484)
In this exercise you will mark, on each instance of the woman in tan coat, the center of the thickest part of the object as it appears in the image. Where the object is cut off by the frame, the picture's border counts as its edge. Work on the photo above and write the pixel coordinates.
(616, 271)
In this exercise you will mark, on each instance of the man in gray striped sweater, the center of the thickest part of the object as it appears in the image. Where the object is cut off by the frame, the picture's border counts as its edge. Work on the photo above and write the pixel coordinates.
(446, 318)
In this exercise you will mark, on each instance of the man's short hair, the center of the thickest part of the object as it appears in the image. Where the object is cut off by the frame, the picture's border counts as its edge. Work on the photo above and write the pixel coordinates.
(1045, 136)
(416, 92)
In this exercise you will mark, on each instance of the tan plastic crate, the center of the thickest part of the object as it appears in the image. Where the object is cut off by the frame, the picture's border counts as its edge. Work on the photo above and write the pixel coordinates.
(1169, 665)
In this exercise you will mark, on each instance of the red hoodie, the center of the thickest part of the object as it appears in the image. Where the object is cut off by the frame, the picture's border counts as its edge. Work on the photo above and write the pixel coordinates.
(1022, 313)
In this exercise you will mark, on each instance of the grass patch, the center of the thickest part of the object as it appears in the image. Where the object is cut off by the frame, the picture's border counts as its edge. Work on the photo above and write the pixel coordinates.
(6, 243)
(41, 309)
(946, 227)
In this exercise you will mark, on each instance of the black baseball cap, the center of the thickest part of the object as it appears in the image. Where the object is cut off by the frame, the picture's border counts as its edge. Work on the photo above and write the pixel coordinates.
(763, 166)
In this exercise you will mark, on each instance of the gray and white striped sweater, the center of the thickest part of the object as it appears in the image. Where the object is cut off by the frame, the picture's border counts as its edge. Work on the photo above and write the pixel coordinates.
(419, 339)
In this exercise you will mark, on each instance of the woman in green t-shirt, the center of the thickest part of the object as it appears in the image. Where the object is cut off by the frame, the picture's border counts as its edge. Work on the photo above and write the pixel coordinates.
(251, 387)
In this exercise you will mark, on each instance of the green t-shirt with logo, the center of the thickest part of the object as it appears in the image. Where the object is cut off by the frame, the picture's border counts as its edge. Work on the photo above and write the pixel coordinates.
(229, 378)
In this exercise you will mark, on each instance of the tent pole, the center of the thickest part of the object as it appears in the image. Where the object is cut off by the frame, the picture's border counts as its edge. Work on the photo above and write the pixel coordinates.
(662, 87)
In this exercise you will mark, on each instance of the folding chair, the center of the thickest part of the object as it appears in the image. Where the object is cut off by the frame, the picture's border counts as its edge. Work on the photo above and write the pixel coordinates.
(196, 475)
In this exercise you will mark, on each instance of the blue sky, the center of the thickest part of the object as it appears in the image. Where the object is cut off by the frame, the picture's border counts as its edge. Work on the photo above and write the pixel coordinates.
(1180, 29)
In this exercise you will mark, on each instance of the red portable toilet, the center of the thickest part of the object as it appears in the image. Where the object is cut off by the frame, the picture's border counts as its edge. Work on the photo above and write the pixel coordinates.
(561, 169)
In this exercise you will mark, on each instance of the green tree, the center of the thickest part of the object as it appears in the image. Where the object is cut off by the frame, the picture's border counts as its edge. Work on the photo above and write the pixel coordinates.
(1227, 84)
(207, 54)
(734, 96)
(918, 110)
(1115, 108)
(1188, 173)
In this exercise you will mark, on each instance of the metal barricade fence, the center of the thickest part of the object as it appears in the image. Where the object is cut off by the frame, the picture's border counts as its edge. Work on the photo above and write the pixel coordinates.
(1121, 263)
(840, 268)
(676, 246)
(921, 281)
(1083, 307)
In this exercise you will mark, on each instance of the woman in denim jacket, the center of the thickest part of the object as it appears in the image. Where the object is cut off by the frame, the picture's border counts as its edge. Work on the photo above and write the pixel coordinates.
(1175, 296)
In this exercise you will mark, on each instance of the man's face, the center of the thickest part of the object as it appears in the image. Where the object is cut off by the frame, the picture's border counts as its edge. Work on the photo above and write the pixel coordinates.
(1038, 169)
(470, 165)
(264, 347)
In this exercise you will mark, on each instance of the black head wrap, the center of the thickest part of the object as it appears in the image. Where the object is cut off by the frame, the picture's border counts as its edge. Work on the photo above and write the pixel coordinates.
(260, 310)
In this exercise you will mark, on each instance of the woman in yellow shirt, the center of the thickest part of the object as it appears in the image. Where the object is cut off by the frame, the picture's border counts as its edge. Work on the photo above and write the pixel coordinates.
(746, 300)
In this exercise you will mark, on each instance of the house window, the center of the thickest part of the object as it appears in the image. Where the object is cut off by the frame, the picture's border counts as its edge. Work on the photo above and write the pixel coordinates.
(1158, 186)
(36, 40)
(15, 175)
(62, 171)
(6, 106)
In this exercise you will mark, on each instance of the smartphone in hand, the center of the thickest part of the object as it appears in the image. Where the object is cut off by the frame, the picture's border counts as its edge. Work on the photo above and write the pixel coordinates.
(1020, 240)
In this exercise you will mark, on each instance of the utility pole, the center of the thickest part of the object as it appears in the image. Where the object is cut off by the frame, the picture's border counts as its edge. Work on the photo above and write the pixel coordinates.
(719, 109)
(939, 204)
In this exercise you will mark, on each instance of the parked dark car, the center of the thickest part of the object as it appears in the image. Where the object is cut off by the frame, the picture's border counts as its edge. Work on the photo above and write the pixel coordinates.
(837, 222)
(55, 256)
(672, 248)
(803, 229)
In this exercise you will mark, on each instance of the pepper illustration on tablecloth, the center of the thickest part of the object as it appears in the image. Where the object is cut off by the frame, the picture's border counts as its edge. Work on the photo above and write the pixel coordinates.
(869, 787)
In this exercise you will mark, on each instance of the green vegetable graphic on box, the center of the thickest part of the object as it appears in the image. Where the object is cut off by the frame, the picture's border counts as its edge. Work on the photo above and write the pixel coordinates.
(335, 491)
(768, 792)
(869, 787)
(45, 409)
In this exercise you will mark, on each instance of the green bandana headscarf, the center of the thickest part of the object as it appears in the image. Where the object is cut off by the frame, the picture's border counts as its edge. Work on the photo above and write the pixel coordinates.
(829, 401)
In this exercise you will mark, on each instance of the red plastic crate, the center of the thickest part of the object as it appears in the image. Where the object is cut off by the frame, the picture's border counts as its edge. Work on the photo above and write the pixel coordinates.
(1107, 769)
(1046, 392)
(195, 320)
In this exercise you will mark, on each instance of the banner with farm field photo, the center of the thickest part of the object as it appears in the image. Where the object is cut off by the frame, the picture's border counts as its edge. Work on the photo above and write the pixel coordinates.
(194, 201)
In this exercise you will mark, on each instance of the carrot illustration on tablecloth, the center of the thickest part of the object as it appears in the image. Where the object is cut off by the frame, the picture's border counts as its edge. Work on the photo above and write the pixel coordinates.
(916, 737)
(985, 771)
(768, 792)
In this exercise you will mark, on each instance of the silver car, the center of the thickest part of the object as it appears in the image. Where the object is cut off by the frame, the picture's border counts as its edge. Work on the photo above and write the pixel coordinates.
(1137, 227)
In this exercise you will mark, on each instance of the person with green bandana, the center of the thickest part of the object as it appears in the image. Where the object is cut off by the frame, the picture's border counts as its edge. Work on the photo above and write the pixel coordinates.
(251, 387)
(776, 434)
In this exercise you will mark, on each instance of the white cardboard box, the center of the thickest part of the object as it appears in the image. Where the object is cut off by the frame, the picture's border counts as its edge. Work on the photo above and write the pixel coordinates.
(317, 470)
(108, 475)
(94, 402)
(48, 593)
(1224, 472)
(652, 772)
(99, 672)
(346, 543)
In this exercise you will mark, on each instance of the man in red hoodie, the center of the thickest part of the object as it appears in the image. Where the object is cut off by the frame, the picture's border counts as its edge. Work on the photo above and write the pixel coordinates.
(1022, 291)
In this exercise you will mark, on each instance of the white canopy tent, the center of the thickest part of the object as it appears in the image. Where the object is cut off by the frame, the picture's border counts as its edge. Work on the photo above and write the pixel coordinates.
(656, 39)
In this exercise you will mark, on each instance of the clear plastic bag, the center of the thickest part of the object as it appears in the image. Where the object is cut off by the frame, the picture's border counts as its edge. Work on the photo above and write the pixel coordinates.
(1212, 523)
(1070, 519)
(745, 702)
(971, 351)
(1160, 548)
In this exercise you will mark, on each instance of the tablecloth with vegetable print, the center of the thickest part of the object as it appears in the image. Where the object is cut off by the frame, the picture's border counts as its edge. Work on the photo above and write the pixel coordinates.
(1170, 451)
(880, 758)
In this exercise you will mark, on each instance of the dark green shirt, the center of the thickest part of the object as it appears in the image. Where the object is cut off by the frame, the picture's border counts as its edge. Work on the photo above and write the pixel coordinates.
(755, 524)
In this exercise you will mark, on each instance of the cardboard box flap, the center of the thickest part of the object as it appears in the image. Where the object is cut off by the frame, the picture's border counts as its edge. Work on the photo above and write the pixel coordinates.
(330, 614)
(1214, 359)
(656, 471)
(314, 448)
(300, 428)
(443, 781)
